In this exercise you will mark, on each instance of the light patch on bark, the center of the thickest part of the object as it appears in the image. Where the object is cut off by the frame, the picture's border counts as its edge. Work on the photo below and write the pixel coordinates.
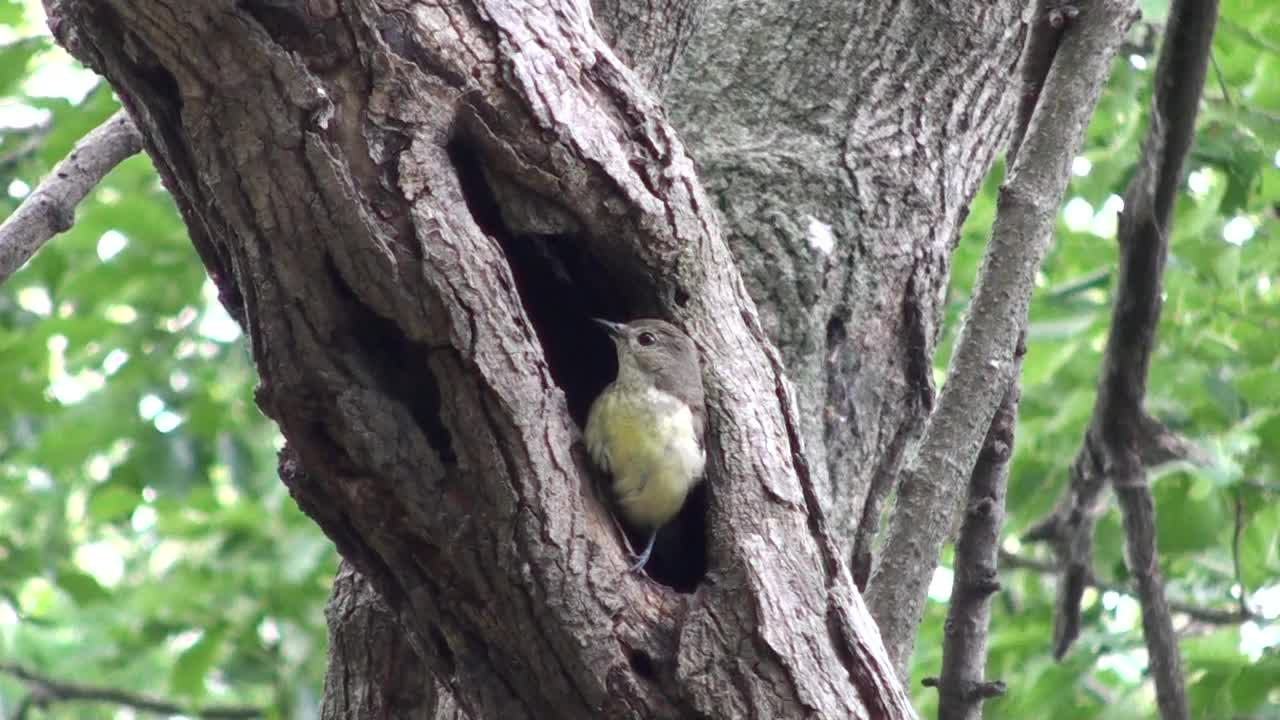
(820, 236)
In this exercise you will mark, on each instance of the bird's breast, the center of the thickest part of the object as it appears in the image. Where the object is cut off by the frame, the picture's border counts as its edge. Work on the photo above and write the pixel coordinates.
(646, 439)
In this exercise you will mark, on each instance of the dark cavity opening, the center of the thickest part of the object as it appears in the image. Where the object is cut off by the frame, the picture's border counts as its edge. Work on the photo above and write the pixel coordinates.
(642, 664)
(562, 287)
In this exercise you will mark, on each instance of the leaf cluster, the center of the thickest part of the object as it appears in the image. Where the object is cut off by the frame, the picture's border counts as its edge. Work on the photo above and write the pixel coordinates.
(145, 541)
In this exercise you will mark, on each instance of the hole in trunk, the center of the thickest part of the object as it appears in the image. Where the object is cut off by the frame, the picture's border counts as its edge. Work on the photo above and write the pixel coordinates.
(642, 664)
(562, 287)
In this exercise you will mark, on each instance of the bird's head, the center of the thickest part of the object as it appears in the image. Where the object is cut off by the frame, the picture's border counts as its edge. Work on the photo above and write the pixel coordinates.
(653, 352)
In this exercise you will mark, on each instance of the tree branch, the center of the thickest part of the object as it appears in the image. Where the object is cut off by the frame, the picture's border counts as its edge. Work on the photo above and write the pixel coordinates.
(47, 691)
(1121, 439)
(1049, 18)
(1199, 613)
(50, 209)
(1157, 445)
(962, 686)
(929, 493)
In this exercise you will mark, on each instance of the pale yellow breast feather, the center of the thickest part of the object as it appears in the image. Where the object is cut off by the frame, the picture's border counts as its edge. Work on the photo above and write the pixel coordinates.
(646, 440)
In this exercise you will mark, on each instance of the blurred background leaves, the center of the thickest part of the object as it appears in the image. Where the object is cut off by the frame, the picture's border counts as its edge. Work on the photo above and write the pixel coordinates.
(145, 541)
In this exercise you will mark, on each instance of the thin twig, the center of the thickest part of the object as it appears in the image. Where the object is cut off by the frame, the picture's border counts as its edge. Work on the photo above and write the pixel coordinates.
(933, 482)
(45, 691)
(50, 209)
(1222, 81)
(1236, 534)
(1199, 613)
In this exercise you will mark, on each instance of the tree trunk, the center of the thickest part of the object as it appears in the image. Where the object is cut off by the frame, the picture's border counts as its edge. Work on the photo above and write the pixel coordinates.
(843, 143)
(414, 209)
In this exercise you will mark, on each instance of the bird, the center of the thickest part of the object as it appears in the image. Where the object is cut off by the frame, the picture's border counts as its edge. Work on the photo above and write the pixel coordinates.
(645, 429)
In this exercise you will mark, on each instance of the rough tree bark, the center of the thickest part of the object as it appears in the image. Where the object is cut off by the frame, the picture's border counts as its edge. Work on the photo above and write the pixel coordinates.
(843, 143)
(413, 208)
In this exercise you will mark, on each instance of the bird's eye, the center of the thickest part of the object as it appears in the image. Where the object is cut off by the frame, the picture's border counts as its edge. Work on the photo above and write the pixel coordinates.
(646, 339)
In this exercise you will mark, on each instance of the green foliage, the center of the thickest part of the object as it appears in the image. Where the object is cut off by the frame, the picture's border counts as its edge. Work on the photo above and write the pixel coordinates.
(1214, 378)
(146, 543)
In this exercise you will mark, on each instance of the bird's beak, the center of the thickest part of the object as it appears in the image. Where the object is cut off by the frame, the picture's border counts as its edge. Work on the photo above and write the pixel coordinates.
(615, 330)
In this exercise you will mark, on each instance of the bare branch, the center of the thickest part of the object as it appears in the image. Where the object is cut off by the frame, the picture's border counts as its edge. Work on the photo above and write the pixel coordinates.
(1043, 38)
(974, 693)
(46, 691)
(983, 363)
(1122, 440)
(51, 208)
(964, 648)
(1159, 445)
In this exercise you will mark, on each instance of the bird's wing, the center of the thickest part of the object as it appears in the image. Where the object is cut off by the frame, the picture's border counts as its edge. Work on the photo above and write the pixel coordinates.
(686, 385)
(594, 437)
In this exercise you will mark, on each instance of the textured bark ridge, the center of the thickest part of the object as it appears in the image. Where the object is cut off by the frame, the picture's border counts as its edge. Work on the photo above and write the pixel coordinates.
(412, 209)
(392, 682)
(842, 143)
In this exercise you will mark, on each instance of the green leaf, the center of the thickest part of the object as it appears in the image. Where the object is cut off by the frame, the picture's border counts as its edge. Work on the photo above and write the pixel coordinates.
(14, 59)
(194, 664)
(1209, 693)
(112, 501)
(82, 587)
(302, 554)
(1231, 404)
(11, 12)
(17, 562)
(1219, 650)
(72, 122)
(1254, 683)
(1154, 11)
(1227, 267)
(1260, 547)
(1186, 523)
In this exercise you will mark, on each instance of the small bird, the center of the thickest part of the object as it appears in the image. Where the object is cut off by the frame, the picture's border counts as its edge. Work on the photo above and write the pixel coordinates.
(645, 428)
